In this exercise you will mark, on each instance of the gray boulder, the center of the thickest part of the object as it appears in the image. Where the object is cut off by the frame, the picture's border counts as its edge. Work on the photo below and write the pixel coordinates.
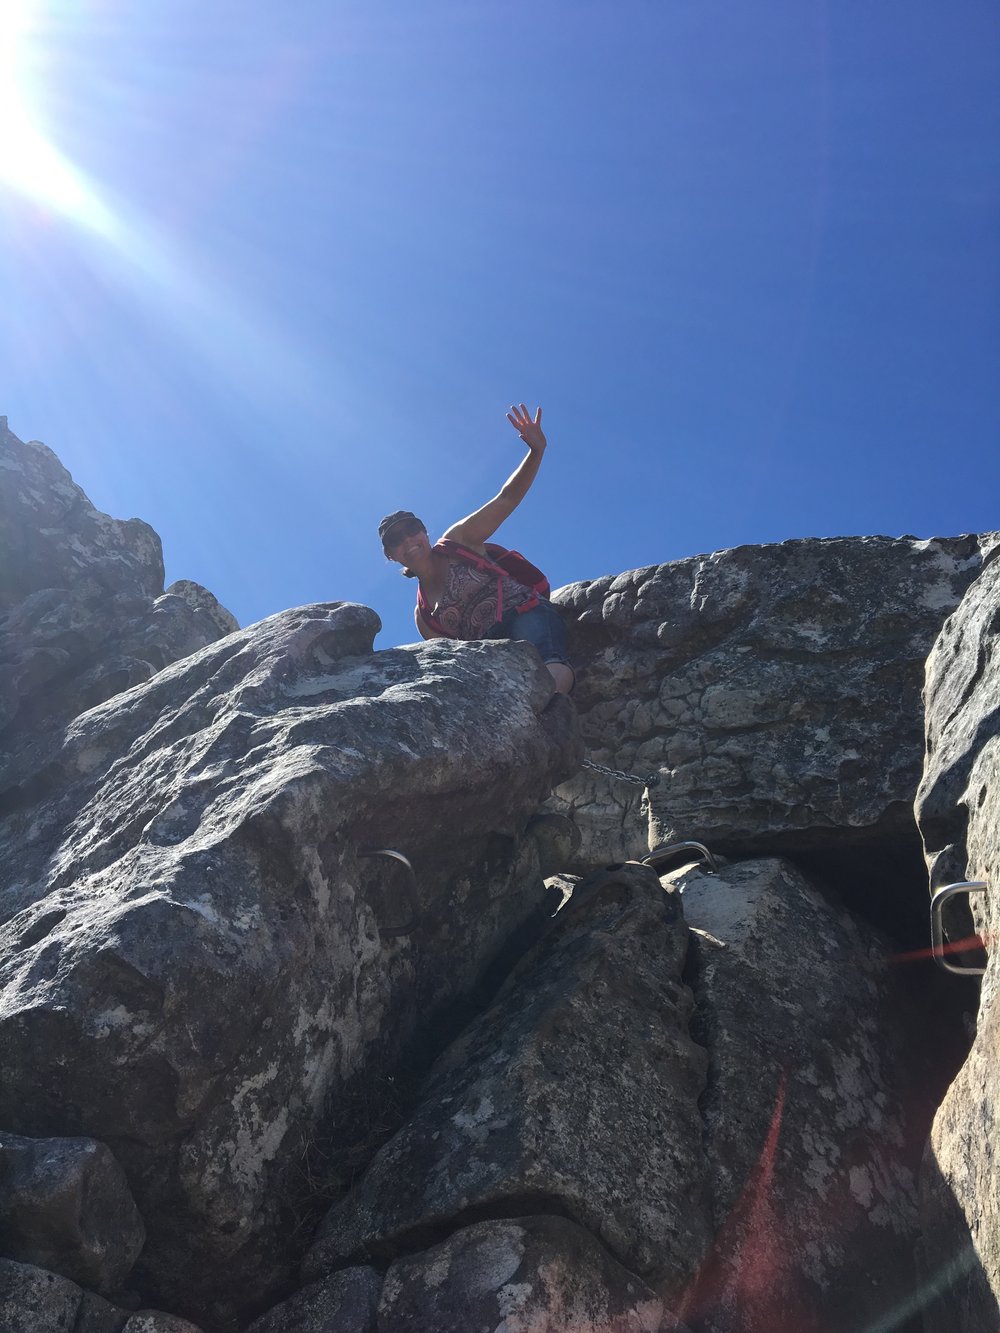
(51, 536)
(96, 1315)
(344, 1302)
(530, 1273)
(958, 809)
(576, 1092)
(64, 653)
(83, 612)
(812, 1111)
(65, 1205)
(34, 1301)
(774, 689)
(155, 1321)
(962, 719)
(197, 958)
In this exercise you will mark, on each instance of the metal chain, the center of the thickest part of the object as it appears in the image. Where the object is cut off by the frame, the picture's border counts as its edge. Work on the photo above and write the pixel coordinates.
(652, 781)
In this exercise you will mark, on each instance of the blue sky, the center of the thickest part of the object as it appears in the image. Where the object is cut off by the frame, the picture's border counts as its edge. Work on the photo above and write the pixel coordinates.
(268, 272)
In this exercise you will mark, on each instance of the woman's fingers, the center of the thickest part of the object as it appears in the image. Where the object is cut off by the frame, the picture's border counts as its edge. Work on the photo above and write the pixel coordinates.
(521, 418)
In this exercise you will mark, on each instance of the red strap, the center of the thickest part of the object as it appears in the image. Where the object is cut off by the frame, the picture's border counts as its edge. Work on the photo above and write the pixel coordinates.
(481, 562)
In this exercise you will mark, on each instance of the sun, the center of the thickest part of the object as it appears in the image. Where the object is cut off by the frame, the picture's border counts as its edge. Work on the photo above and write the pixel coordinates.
(29, 163)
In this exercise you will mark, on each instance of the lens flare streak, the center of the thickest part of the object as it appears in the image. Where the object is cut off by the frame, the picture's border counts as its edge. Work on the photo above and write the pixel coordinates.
(225, 333)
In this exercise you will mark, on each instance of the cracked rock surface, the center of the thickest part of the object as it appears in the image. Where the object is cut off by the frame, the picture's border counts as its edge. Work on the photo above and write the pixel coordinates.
(815, 1106)
(193, 958)
(33, 1300)
(529, 1273)
(775, 689)
(576, 1092)
(648, 1107)
(958, 808)
(65, 1205)
(344, 1302)
(83, 612)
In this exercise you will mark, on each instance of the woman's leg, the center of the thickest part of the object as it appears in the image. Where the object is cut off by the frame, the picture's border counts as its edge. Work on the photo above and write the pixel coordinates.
(543, 627)
(563, 675)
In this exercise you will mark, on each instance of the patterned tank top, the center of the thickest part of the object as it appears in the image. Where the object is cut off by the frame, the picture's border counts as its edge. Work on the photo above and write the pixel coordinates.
(467, 609)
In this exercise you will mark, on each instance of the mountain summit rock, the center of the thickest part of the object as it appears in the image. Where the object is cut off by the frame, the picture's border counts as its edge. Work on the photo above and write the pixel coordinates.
(335, 969)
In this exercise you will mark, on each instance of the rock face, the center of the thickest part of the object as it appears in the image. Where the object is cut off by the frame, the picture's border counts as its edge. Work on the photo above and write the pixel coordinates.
(588, 1034)
(962, 699)
(784, 1187)
(83, 612)
(155, 1321)
(958, 808)
(53, 537)
(528, 1273)
(33, 1300)
(65, 1205)
(775, 689)
(345, 1302)
(648, 1107)
(813, 1110)
(195, 951)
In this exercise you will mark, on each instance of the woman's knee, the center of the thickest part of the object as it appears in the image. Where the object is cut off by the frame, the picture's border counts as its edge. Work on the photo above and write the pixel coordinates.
(563, 675)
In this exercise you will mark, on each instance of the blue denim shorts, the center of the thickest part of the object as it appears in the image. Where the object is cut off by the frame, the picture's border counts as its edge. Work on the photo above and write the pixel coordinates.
(541, 626)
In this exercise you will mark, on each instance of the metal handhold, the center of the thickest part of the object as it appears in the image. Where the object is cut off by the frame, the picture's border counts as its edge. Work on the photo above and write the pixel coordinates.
(670, 849)
(392, 932)
(937, 926)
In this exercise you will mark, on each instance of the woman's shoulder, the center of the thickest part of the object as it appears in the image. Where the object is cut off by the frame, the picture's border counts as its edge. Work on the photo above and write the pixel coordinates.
(454, 537)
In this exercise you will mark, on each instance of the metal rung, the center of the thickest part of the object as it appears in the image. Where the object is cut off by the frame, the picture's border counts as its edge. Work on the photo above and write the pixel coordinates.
(937, 926)
(411, 882)
(670, 849)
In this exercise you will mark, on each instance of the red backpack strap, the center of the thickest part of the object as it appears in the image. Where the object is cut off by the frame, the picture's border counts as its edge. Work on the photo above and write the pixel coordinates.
(520, 569)
(499, 561)
(480, 562)
(470, 557)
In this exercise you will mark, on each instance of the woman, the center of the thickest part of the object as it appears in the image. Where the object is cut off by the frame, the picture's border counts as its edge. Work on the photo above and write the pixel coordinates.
(464, 600)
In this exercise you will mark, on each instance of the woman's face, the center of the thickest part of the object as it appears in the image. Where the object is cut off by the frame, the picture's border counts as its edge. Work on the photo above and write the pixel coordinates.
(405, 541)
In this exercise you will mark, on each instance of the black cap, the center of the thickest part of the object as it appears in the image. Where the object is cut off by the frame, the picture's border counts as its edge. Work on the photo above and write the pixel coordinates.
(390, 521)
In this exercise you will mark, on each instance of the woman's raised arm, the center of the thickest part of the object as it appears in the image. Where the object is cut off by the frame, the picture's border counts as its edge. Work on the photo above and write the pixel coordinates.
(478, 527)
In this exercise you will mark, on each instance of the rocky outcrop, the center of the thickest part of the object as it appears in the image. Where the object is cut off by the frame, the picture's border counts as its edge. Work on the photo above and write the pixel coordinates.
(576, 1093)
(783, 1186)
(527, 1273)
(775, 690)
(815, 1109)
(83, 612)
(53, 537)
(33, 1300)
(155, 1321)
(344, 1302)
(65, 1205)
(958, 808)
(196, 952)
(694, 1099)
(962, 704)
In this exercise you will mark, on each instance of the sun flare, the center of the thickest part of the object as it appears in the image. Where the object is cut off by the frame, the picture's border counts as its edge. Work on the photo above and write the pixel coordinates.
(29, 163)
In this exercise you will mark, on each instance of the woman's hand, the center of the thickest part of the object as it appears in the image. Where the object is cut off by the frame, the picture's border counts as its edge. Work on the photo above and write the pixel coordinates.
(529, 431)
